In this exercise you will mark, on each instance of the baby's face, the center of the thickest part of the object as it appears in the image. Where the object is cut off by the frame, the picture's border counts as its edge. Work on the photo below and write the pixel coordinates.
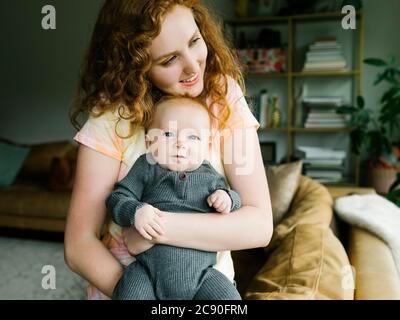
(178, 138)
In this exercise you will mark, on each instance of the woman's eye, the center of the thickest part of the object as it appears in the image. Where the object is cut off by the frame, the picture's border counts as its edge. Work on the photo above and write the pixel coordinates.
(195, 40)
(168, 134)
(169, 61)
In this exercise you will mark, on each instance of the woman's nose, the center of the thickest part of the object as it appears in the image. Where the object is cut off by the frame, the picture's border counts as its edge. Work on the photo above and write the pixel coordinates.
(191, 65)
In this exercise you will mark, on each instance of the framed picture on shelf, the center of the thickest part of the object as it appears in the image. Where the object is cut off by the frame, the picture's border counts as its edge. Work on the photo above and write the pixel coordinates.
(268, 151)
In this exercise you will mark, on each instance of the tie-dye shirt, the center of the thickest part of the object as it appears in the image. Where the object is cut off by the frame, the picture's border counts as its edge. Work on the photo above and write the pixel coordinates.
(99, 134)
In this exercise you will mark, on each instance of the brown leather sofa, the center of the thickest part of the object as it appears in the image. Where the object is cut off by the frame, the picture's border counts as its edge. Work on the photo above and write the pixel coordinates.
(39, 197)
(305, 259)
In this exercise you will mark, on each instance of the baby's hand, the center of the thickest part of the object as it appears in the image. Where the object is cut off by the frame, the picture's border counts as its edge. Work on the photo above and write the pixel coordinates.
(221, 201)
(148, 222)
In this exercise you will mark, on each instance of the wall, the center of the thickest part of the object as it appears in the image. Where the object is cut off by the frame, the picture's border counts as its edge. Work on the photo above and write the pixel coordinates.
(381, 40)
(40, 68)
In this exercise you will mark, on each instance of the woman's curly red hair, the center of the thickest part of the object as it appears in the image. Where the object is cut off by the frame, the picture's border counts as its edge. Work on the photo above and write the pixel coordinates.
(117, 64)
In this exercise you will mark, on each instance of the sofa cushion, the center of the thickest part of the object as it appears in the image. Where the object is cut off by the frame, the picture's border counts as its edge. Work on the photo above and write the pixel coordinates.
(62, 171)
(283, 181)
(310, 263)
(30, 200)
(312, 204)
(40, 158)
(11, 159)
(305, 260)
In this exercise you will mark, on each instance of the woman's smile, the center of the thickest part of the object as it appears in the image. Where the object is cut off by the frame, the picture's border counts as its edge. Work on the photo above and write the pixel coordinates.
(190, 81)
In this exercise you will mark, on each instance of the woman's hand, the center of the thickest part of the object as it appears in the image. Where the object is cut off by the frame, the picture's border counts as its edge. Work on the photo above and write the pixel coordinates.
(134, 241)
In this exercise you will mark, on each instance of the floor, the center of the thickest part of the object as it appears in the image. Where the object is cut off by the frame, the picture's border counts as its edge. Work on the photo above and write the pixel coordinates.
(32, 267)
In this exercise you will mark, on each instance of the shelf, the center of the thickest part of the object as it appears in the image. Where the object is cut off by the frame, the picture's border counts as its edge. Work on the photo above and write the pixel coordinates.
(258, 20)
(281, 129)
(267, 75)
(326, 73)
(302, 74)
(341, 184)
(294, 74)
(322, 130)
(307, 130)
(323, 16)
(347, 181)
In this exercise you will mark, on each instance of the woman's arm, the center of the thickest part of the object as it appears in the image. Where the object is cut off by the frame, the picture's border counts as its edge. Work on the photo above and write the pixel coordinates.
(248, 227)
(84, 252)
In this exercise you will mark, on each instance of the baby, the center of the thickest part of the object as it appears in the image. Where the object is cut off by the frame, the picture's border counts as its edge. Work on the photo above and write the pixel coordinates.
(173, 176)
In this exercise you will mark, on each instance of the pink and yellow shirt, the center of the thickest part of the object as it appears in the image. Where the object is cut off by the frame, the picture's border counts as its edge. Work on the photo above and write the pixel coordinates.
(99, 134)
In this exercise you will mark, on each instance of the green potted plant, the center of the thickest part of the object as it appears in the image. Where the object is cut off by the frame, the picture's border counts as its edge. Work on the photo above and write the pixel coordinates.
(376, 135)
(394, 191)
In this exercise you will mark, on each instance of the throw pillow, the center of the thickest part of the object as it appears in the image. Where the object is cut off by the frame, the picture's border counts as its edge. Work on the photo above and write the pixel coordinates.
(308, 264)
(11, 159)
(283, 181)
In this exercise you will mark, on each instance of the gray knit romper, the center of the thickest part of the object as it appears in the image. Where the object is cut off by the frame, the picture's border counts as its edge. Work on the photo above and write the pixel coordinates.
(168, 272)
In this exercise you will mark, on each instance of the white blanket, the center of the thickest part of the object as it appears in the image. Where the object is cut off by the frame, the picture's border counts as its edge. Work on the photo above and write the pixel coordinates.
(375, 214)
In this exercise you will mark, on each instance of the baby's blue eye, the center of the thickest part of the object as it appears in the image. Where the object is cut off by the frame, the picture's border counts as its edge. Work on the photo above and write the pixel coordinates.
(168, 134)
(193, 137)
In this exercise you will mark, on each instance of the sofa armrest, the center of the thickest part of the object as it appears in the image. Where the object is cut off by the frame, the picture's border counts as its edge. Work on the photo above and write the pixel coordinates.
(376, 276)
(375, 271)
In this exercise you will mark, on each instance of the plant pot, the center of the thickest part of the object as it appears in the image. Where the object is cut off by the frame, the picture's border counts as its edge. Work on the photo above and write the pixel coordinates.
(381, 178)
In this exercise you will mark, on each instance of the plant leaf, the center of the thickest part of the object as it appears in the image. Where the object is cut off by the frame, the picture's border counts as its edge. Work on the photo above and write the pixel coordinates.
(390, 94)
(380, 77)
(375, 62)
(360, 102)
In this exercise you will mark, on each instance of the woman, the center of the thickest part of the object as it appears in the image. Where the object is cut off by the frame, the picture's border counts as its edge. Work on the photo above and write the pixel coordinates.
(140, 50)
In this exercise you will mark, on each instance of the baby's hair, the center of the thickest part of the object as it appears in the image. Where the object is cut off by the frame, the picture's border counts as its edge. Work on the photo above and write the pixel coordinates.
(167, 98)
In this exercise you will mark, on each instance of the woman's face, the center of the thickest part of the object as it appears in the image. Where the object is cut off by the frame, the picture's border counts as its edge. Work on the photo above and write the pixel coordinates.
(179, 55)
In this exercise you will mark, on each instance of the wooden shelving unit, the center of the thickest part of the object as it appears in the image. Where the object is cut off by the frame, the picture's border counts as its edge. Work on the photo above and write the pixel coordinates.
(291, 75)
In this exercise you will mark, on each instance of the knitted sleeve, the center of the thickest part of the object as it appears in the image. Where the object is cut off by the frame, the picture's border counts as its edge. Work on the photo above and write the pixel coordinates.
(125, 198)
(235, 197)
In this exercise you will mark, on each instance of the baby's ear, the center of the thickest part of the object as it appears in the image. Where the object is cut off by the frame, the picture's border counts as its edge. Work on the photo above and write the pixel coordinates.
(148, 140)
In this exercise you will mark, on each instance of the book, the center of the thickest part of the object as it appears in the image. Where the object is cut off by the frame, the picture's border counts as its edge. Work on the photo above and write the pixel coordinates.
(320, 153)
(323, 162)
(320, 101)
(322, 125)
(263, 109)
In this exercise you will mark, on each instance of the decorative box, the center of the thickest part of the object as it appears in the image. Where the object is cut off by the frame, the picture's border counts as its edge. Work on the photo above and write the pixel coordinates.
(263, 60)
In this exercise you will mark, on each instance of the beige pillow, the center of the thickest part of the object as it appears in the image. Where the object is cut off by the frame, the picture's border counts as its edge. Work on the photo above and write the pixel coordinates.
(283, 181)
(307, 265)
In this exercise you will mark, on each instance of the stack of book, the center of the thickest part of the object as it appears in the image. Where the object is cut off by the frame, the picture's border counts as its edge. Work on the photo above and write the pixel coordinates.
(323, 164)
(325, 54)
(259, 104)
(321, 112)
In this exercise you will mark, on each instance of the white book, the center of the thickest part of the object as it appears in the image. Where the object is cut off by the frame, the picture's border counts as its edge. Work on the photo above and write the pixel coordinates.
(323, 162)
(322, 153)
(321, 126)
(324, 54)
(325, 120)
(327, 115)
(325, 174)
(323, 100)
(264, 109)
